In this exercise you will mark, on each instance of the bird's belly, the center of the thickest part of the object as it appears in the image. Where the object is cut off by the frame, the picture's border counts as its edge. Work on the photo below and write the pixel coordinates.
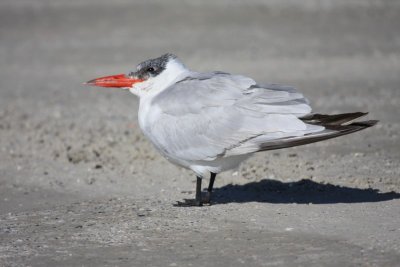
(148, 121)
(202, 167)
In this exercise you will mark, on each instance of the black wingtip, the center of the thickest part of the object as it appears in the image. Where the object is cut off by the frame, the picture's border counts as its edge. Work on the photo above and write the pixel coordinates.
(366, 124)
(336, 119)
(331, 131)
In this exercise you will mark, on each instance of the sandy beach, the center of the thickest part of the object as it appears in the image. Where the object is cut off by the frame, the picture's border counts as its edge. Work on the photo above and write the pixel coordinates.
(81, 186)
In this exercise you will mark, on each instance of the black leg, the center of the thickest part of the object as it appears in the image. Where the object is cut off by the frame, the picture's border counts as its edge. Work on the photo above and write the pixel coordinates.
(211, 184)
(198, 201)
(207, 198)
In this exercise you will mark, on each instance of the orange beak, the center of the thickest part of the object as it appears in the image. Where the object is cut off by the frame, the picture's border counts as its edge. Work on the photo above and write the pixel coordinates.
(117, 81)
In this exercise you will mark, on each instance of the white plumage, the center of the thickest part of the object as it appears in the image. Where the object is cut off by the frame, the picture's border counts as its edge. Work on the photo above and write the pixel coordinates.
(210, 122)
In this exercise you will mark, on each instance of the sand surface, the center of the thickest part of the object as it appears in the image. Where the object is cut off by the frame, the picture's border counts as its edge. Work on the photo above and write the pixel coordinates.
(81, 186)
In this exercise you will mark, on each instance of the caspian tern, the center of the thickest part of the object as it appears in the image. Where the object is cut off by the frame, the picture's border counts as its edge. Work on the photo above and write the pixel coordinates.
(211, 122)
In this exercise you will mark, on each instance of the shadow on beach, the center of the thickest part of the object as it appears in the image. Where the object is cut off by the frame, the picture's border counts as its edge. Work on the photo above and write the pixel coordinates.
(302, 192)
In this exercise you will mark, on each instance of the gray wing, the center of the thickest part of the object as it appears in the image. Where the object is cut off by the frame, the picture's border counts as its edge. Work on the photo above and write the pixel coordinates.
(210, 115)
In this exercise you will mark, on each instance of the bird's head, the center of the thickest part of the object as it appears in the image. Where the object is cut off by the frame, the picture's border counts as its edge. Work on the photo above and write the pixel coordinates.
(150, 75)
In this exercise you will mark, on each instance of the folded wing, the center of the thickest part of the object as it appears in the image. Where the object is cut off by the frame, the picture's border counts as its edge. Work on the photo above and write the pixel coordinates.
(211, 115)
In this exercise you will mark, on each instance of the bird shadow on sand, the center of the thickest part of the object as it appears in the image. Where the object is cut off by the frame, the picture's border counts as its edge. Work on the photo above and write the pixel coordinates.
(301, 192)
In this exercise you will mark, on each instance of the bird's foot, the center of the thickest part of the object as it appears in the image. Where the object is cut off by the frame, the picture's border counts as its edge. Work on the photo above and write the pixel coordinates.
(206, 198)
(189, 203)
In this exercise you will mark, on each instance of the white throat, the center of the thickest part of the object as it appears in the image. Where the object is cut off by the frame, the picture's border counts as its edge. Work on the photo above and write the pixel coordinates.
(174, 71)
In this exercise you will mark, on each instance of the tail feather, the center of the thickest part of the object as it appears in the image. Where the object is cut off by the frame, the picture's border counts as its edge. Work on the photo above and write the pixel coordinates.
(334, 127)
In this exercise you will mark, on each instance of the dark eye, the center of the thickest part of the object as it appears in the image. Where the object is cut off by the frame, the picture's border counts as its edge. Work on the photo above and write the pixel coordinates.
(150, 69)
